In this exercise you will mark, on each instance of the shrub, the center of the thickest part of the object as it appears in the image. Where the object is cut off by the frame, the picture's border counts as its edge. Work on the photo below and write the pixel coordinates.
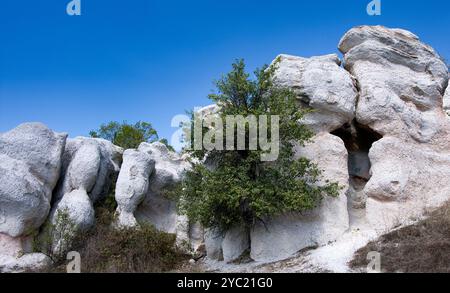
(241, 189)
(108, 250)
(126, 135)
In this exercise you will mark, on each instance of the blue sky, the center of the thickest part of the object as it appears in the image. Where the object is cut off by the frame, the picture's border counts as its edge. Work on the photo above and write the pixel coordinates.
(151, 60)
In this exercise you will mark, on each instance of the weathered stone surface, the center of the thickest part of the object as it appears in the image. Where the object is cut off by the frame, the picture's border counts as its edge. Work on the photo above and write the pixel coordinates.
(72, 215)
(407, 179)
(32, 262)
(14, 246)
(447, 101)
(213, 244)
(401, 82)
(235, 243)
(91, 164)
(228, 246)
(283, 236)
(320, 83)
(156, 208)
(132, 185)
(30, 162)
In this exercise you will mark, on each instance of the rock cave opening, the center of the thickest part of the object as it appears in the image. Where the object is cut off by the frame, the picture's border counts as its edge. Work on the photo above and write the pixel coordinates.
(358, 140)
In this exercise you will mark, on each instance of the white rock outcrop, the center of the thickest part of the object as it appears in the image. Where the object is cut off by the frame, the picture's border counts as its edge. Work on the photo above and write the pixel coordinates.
(447, 101)
(89, 167)
(321, 84)
(32, 262)
(132, 185)
(156, 208)
(402, 83)
(73, 215)
(90, 164)
(30, 162)
(282, 237)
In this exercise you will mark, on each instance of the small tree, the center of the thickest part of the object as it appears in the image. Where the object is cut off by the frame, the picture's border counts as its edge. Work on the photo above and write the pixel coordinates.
(126, 135)
(241, 189)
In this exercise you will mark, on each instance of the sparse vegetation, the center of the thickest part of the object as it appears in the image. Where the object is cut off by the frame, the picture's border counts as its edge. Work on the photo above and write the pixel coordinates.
(420, 248)
(108, 250)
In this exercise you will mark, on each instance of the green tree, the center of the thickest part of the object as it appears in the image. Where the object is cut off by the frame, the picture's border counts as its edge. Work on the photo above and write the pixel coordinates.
(126, 135)
(241, 189)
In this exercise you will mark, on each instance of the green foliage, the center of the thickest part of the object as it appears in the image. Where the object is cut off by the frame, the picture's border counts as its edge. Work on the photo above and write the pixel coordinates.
(241, 189)
(55, 239)
(127, 136)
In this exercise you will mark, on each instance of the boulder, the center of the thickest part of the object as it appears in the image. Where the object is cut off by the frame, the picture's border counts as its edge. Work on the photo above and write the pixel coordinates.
(91, 164)
(32, 262)
(283, 236)
(72, 215)
(132, 185)
(156, 208)
(235, 243)
(402, 83)
(228, 246)
(447, 101)
(30, 163)
(15, 247)
(213, 244)
(407, 179)
(321, 84)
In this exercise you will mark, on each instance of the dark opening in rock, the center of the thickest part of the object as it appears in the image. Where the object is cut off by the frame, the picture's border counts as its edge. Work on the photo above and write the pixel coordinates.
(358, 140)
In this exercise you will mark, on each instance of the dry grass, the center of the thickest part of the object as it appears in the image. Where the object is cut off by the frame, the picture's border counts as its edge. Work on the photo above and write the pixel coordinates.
(107, 250)
(420, 248)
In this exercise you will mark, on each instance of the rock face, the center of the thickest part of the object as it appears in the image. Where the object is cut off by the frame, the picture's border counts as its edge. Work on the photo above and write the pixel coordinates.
(90, 164)
(89, 167)
(30, 162)
(32, 262)
(132, 185)
(284, 236)
(156, 208)
(320, 84)
(72, 215)
(402, 83)
(447, 101)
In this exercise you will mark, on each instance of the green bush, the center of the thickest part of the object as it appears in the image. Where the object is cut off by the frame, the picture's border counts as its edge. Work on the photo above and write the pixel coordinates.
(128, 136)
(241, 189)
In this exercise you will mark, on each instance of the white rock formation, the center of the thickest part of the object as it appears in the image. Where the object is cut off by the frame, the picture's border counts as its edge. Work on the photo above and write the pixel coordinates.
(283, 236)
(72, 215)
(32, 262)
(132, 185)
(447, 101)
(30, 162)
(89, 167)
(91, 164)
(402, 83)
(320, 83)
(156, 208)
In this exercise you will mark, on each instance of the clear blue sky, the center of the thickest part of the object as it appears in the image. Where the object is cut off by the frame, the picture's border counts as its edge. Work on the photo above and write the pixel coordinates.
(150, 60)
